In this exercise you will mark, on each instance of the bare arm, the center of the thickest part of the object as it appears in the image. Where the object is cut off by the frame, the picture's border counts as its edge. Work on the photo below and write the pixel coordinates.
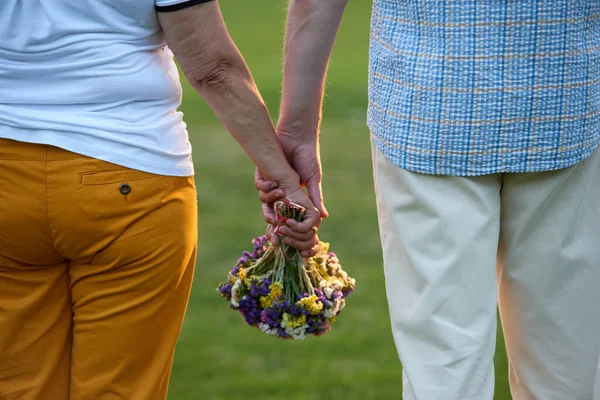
(312, 27)
(212, 63)
(215, 68)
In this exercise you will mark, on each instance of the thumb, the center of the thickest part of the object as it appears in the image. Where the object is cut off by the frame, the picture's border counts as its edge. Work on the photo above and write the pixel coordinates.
(315, 194)
(273, 236)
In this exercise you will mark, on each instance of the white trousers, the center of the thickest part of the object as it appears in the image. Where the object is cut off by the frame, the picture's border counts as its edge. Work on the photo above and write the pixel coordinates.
(457, 247)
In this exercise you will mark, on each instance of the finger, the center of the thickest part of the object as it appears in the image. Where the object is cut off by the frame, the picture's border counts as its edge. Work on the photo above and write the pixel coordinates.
(306, 236)
(315, 194)
(275, 239)
(272, 196)
(310, 253)
(262, 184)
(272, 235)
(301, 245)
(269, 214)
(312, 218)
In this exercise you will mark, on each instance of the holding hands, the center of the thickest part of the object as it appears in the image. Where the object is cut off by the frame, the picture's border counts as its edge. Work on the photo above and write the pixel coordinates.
(310, 35)
(304, 158)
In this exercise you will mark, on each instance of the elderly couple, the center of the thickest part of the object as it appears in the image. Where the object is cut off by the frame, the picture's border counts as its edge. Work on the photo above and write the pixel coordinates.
(485, 122)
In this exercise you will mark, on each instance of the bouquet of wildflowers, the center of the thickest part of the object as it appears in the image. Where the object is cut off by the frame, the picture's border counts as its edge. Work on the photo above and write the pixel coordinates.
(283, 294)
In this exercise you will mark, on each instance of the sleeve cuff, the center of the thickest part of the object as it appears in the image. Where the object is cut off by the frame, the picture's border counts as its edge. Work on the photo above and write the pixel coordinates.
(178, 5)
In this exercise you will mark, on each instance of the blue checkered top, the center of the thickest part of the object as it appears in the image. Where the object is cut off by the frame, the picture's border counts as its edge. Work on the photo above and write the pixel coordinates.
(473, 87)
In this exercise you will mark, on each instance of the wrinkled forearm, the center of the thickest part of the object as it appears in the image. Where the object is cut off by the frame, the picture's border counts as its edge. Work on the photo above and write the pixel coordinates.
(232, 94)
(215, 68)
(312, 27)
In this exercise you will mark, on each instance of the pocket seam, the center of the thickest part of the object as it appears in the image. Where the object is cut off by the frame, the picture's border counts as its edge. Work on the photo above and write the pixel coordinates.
(108, 177)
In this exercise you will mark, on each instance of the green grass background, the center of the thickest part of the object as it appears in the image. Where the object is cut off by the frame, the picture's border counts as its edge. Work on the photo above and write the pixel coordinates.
(218, 356)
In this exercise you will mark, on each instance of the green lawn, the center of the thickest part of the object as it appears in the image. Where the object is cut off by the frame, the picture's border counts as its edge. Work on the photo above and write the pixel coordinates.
(218, 356)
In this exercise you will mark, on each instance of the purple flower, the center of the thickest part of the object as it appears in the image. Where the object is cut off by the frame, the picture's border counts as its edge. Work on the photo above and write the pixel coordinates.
(293, 310)
(317, 325)
(242, 262)
(260, 290)
(281, 304)
(247, 257)
(302, 296)
(259, 242)
(254, 289)
(282, 333)
(259, 246)
(271, 316)
(322, 297)
(225, 290)
(250, 309)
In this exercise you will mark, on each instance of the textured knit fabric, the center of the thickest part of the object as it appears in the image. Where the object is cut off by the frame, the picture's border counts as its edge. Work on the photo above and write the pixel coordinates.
(468, 87)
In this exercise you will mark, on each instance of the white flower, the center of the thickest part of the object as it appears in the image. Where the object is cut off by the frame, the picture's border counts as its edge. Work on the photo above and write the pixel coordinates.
(336, 306)
(300, 336)
(235, 293)
(328, 291)
(267, 329)
(297, 333)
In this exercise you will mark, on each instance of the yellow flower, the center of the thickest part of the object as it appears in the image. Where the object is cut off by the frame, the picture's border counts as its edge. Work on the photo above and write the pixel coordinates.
(266, 301)
(242, 274)
(276, 291)
(294, 322)
(323, 248)
(311, 304)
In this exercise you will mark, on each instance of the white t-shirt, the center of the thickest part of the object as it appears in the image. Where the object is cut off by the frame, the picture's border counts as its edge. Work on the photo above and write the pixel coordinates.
(94, 77)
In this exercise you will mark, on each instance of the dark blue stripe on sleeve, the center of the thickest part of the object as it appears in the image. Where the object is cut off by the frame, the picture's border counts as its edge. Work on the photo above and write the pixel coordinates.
(180, 6)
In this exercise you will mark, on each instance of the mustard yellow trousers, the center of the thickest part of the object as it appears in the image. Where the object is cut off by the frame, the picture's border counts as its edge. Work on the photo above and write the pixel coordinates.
(96, 266)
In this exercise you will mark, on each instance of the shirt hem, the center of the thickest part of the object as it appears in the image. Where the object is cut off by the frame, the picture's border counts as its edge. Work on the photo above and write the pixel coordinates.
(116, 158)
(404, 162)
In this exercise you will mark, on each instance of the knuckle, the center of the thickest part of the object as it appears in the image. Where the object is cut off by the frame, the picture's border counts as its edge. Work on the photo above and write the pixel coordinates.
(302, 228)
(303, 236)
